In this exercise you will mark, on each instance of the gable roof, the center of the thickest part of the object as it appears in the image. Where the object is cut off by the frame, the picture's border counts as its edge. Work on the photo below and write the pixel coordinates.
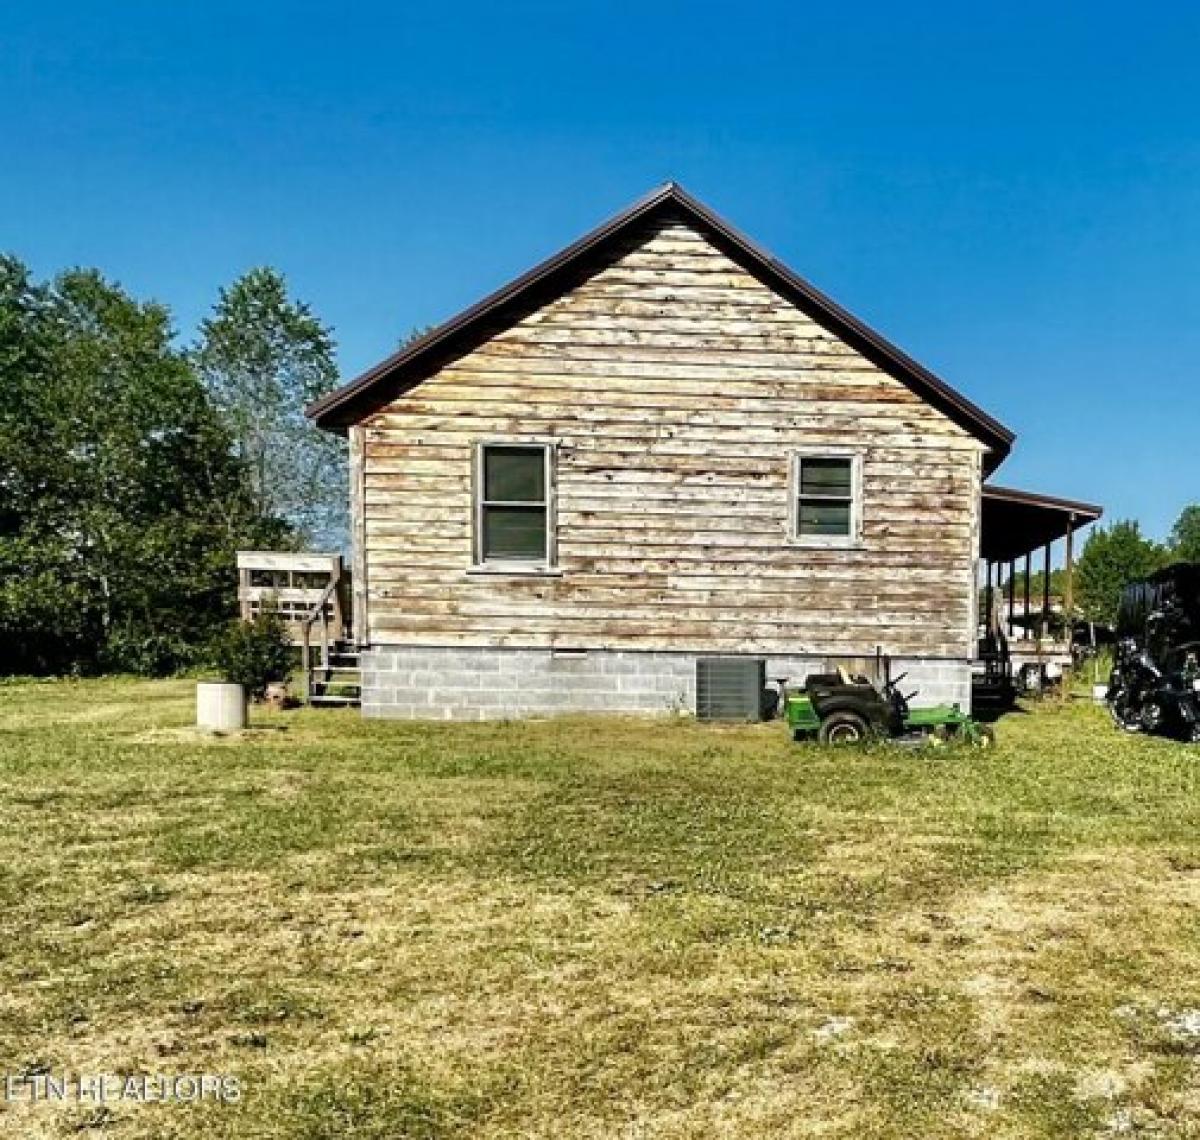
(416, 361)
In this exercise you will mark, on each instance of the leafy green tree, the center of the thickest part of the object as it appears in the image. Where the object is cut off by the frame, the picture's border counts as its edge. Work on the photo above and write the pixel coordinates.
(264, 357)
(122, 502)
(1185, 535)
(42, 618)
(1036, 578)
(1113, 557)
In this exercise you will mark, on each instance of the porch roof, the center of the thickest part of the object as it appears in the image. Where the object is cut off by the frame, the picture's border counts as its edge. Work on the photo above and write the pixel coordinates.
(1016, 523)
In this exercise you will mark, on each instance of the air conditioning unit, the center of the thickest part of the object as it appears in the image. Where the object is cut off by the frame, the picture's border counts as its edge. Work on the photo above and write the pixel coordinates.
(730, 688)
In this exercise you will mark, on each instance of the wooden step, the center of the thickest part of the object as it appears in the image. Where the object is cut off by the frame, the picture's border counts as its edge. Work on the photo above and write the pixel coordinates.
(321, 700)
(337, 684)
(348, 695)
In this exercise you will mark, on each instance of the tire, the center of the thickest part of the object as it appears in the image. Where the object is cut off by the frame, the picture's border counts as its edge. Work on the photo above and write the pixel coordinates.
(985, 736)
(1031, 679)
(1154, 717)
(1122, 717)
(842, 728)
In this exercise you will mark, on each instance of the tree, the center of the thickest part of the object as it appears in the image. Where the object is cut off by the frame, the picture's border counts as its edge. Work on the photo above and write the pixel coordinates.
(1036, 583)
(122, 502)
(1113, 557)
(1185, 535)
(254, 653)
(413, 335)
(39, 606)
(263, 358)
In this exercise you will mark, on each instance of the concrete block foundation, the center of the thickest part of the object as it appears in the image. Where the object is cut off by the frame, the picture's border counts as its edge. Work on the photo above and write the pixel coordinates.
(444, 683)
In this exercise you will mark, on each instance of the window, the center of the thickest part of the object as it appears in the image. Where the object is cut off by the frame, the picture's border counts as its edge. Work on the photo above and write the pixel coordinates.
(826, 499)
(513, 487)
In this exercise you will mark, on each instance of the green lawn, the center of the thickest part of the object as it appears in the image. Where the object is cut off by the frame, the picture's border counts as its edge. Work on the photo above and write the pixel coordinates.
(594, 927)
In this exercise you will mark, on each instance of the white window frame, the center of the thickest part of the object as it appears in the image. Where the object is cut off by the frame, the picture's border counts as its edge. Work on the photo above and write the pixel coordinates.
(837, 541)
(548, 563)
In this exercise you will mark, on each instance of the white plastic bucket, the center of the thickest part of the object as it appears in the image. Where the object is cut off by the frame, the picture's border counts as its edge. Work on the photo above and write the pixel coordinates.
(220, 706)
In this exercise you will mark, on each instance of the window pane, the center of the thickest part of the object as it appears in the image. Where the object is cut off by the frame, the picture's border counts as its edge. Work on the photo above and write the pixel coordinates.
(825, 477)
(514, 532)
(514, 474)
(818, 518)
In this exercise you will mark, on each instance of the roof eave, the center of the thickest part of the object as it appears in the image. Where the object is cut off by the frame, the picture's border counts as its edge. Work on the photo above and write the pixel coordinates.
(1089, 511)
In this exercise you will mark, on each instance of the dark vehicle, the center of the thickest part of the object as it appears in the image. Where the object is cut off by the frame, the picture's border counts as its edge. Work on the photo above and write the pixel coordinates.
(1155, 682)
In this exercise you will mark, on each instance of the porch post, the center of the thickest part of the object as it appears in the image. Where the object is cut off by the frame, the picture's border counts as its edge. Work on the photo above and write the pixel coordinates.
(244, 593)
(1069, 583)
(993, 607)
(1012, 593)
(1028, 630)
(1046, 590)
(987, 594)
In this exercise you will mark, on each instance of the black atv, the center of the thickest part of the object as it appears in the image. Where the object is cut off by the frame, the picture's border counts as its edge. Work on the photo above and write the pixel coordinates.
(1155, 682)
(1144, 698)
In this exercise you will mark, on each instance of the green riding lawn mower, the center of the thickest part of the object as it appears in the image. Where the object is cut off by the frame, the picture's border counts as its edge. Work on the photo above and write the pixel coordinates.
(840, 709)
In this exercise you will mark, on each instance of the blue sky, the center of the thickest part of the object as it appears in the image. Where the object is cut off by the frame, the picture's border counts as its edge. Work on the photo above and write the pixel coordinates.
(1012, 194)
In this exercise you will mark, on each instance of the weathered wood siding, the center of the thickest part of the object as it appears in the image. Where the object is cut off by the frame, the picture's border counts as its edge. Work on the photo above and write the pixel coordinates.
(677, 386)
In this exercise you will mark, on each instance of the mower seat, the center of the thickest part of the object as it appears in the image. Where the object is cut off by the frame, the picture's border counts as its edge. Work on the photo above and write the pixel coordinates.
(821, 681)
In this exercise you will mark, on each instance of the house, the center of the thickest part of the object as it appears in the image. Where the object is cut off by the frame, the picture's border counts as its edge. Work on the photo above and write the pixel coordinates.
(662, 445)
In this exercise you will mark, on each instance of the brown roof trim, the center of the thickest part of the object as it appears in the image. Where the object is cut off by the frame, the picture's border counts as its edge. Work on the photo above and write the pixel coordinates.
(1088, 512)
(378, 385)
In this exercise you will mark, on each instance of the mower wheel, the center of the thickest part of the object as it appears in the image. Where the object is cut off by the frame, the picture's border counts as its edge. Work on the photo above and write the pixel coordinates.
(843, 728)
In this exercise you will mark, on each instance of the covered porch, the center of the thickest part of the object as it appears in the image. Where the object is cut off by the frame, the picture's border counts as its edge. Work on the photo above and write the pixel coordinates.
(1019, 532)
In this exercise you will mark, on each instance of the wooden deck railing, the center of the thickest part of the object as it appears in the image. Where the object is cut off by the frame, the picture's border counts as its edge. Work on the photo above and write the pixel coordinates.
(294, 585)
(319, 612)
(307, 590)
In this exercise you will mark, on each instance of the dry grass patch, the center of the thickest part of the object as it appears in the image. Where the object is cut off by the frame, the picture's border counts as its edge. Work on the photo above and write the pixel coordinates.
(595, 928)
